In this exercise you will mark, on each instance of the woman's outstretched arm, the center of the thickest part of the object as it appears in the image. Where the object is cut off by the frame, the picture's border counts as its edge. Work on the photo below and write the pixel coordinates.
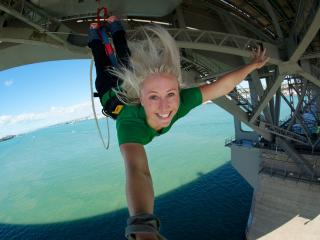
(227, 82)
(139, 188)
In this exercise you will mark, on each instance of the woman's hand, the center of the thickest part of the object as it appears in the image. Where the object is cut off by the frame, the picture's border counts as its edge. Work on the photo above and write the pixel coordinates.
(228, 81)
(259, 58)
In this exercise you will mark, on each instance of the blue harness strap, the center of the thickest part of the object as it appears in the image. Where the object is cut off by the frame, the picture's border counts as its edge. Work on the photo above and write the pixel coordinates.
(113, 106)
(104, 37)
(108, 48)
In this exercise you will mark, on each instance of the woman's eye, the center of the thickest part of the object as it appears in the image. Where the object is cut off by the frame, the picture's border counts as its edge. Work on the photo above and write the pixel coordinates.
(153, 97)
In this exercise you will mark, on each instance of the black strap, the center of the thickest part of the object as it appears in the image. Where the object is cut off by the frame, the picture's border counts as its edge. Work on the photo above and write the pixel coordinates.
(143, 223)
(113, 107)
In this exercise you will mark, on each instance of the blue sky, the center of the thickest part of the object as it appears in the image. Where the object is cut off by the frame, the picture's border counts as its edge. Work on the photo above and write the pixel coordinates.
(37, 87)
(42, 94)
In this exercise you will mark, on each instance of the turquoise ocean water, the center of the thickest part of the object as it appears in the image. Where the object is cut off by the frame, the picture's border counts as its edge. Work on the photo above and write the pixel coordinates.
(60, 183)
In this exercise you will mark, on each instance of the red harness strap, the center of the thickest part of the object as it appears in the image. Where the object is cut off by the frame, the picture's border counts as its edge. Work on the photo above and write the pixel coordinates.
(103, 35)
(105, 15)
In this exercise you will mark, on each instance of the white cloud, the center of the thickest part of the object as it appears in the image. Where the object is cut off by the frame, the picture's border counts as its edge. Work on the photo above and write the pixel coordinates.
(15, 124)
(8, 83)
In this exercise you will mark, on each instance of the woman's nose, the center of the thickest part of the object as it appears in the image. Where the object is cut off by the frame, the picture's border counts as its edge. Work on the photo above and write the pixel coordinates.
(164, 104)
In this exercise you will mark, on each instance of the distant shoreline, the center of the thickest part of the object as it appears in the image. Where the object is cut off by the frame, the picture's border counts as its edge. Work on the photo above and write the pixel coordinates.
(10, 135)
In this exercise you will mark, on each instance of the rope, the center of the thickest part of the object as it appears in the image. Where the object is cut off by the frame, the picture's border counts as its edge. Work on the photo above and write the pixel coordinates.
(105, 11)
(95, 114)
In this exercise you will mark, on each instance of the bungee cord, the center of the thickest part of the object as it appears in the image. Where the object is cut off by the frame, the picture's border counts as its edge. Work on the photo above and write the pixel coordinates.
(109, 52)
(106, 146)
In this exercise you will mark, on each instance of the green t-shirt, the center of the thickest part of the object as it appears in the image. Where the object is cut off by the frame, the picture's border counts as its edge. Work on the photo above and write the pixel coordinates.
(132, 126)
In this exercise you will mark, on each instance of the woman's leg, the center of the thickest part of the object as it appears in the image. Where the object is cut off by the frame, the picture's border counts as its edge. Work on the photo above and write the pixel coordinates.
(121, 47)
(104, 80)
(119, 40)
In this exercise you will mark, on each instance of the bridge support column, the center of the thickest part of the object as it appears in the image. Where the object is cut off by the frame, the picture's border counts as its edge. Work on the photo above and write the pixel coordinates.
(284, 209)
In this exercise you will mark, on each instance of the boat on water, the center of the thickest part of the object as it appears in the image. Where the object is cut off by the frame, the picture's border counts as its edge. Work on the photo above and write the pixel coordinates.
(6, 138)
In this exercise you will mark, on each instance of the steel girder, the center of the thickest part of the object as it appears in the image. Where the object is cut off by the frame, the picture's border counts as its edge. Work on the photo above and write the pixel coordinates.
(302, 39)
(38, 19)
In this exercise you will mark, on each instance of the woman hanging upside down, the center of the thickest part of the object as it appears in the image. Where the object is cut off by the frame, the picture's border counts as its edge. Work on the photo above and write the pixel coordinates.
(143, 95)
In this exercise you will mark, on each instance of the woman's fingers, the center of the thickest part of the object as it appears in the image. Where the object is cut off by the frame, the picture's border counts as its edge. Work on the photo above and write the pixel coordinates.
(259, 57)
(262, 55)
(262, 62)
(264, 52)
(258, 51)
(265, 61)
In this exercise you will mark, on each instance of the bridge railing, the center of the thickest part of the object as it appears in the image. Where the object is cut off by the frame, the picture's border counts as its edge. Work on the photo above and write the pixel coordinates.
(285, 133)
(275, 162)
(228, 141)
(212, 66)
(242, 99)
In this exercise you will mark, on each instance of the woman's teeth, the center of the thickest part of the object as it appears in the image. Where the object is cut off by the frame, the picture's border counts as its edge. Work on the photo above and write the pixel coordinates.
(164, 115)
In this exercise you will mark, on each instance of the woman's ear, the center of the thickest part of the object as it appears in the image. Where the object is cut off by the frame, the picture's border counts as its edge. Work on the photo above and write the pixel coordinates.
(140, 99)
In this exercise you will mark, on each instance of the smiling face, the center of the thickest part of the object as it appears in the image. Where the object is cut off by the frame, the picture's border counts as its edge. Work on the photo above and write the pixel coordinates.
(159, 95)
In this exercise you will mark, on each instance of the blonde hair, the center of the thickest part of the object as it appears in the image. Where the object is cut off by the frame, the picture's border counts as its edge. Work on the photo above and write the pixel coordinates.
(152, 51)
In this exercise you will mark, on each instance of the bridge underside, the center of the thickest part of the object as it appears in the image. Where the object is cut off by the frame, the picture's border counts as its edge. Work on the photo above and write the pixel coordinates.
(214, 36)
